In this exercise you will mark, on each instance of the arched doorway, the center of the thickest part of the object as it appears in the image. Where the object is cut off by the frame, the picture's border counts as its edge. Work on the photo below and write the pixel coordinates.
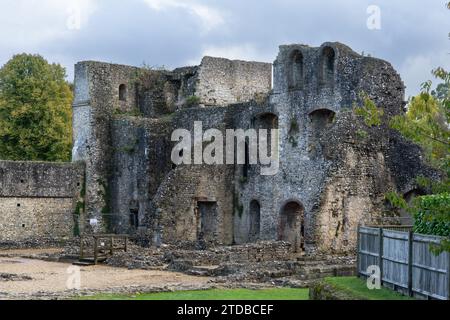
(291, 227)
(254, 221)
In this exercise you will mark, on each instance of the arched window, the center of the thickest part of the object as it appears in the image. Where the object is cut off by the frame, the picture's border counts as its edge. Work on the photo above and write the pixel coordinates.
(254, 221)
(123, 92)
(291, 225)
(321, 119)
(295, 72)
(266, 121)
(327, 66)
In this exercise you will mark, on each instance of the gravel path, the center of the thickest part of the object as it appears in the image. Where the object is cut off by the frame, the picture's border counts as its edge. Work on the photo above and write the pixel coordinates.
(49, 279)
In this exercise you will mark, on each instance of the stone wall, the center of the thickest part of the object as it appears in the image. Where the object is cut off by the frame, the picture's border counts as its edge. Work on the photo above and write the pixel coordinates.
(337, 176)
(223, 82)
(141, 162)
(333, 168)
(177, 216)
(38, 200)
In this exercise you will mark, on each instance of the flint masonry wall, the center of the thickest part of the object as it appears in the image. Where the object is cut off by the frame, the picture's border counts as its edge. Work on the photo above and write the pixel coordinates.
(97, 98)
(125, 146)
(38, 200)
(141, 162)
(337, 176)
(176, 215)
(333, 168)
(223, 82)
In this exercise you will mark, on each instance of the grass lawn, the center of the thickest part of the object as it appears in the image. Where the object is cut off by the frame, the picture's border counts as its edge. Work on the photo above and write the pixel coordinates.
(216, 294)
(358, 288)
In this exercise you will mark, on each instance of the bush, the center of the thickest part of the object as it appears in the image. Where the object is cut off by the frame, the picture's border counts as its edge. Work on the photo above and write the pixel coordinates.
(431, 215)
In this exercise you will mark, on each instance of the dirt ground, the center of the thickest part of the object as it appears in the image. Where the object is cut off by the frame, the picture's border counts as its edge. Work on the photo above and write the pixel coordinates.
(49, 279)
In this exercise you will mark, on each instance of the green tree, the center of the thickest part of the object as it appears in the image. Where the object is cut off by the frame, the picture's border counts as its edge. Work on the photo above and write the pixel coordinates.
(427, 123)
(35, 110)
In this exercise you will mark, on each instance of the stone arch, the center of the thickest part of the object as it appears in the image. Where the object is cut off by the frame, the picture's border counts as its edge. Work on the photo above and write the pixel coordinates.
(266, 120)
(123, 92)
(321, 118)
(254, 221)
(405, 217)
(327, 66)
(295, 70)
(291, 226)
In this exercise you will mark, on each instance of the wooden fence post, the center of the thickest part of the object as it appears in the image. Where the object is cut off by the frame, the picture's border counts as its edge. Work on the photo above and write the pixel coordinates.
(448, 275)
(81, 248)
(410, 262)
(95, 250)
(111, 249)
(358, 250)
(380, 260)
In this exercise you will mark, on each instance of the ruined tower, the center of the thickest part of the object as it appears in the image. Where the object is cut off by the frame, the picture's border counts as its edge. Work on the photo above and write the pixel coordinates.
(334, 170)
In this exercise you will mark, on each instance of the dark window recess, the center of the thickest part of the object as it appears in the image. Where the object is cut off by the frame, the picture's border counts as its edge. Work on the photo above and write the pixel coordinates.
(123, 92)
(23, 225)
(247, 161)
(295, 72)
(134, 218)
(327, 66)
(18, 204)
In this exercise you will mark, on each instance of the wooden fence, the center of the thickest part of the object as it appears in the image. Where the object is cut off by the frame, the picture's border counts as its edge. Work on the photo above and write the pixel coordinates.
(405, 261)
(102, 245)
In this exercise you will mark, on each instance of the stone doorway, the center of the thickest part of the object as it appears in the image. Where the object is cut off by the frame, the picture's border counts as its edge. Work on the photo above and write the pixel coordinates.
(208, 221)
(291, 227)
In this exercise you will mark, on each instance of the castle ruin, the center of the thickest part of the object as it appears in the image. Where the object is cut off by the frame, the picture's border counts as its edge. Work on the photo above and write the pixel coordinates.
(334, 170)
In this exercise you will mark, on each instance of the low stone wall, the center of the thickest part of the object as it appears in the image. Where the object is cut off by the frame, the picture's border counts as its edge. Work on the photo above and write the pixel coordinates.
(249, 253)
(38, 201)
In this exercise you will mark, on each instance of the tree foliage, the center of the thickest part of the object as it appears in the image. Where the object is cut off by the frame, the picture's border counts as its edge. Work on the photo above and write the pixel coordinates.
(431, 216)
(369, 112)
(35, 110)
(427, 123)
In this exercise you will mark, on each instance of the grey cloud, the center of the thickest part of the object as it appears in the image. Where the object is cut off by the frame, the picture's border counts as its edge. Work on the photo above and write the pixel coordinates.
(131, 32)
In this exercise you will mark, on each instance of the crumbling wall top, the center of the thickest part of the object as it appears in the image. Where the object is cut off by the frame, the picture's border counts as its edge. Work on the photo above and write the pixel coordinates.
(222, 82)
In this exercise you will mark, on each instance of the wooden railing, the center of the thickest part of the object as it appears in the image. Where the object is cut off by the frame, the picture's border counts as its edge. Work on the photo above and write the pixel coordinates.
(405, 228)
(102, 243)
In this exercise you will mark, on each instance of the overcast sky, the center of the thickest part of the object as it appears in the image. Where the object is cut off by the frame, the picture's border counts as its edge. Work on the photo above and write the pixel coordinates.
(413, 34)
